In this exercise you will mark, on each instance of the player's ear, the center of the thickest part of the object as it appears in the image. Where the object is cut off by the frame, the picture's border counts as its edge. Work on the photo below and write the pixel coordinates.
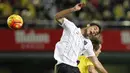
(100, 46)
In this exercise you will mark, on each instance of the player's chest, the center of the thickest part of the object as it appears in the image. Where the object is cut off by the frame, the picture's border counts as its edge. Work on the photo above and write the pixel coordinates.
(77, 39)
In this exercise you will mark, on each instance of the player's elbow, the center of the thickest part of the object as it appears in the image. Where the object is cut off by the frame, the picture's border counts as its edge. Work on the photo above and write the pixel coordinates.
(90, 71)
(93, 71)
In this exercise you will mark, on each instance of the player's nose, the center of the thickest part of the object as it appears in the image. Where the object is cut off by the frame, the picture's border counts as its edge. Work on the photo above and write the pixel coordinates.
(93, 32)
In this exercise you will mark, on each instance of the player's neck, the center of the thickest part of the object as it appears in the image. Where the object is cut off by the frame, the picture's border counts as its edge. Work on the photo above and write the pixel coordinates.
(83, 30)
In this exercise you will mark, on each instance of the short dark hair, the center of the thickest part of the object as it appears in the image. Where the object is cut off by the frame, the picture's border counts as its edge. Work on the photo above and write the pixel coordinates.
(100, 28)
(95, 41)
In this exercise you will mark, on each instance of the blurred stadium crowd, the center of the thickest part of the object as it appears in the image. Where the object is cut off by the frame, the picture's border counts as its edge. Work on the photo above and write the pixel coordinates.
(43, 11)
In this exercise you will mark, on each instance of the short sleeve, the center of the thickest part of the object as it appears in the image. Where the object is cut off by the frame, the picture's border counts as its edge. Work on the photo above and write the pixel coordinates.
(68, 25)
(89, 50)
(89, 62)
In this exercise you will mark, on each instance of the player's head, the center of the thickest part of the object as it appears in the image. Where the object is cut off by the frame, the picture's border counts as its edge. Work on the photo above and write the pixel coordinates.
(93, 29)
(96, 45)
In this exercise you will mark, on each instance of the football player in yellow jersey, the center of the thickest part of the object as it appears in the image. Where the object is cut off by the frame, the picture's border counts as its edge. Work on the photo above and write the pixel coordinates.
(85, 65)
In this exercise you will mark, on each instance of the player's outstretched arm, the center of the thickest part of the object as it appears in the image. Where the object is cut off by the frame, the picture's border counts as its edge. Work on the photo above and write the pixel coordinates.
(97, 64)
(92, 69)
(60, 15)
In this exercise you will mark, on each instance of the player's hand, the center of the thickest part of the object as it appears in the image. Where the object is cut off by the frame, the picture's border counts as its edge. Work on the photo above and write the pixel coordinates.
(78, 6)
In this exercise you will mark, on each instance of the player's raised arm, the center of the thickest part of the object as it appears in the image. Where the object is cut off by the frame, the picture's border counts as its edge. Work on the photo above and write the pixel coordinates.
(60, 15)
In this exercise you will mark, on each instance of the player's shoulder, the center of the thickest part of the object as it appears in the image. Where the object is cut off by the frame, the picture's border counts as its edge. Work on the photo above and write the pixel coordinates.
(89, 62)
(82, 57)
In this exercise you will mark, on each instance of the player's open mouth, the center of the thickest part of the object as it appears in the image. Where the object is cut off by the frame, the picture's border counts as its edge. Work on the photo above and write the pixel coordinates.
(91, 32)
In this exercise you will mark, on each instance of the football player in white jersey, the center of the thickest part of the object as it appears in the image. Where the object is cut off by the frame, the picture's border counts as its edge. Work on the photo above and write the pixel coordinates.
(74, 42)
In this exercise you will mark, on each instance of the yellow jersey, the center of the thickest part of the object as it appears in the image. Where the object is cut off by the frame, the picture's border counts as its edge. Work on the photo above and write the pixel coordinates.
(83, 64)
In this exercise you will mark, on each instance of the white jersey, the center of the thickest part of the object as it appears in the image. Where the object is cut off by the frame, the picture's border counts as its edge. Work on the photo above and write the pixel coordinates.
(71, 45)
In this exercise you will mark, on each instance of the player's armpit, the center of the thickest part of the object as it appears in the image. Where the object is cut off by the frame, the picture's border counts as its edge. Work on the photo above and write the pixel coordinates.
(92, 69)
(61, 20)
